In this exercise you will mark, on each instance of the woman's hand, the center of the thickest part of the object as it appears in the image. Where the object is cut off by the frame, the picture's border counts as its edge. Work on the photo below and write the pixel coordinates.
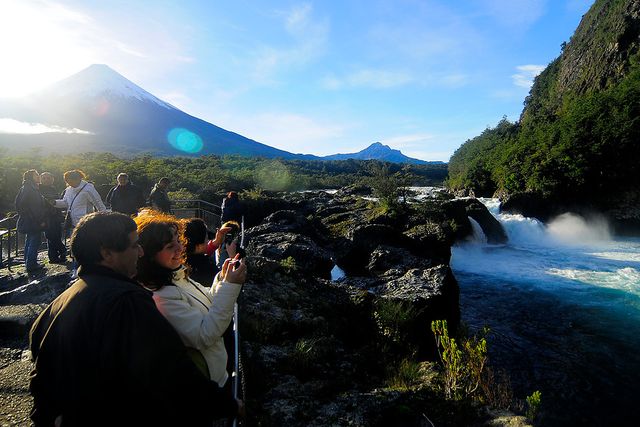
(220, 232)
(234, 271)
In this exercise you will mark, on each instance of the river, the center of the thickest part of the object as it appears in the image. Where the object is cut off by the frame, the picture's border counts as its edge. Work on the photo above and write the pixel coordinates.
(563, 304)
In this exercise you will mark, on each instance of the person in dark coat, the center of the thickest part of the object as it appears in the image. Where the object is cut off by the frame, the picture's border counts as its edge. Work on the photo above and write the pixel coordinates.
(159, 199)
(200, 250)
(232, 208)
(32, 218)
(103, 353)
(56, 250)
(125, 197)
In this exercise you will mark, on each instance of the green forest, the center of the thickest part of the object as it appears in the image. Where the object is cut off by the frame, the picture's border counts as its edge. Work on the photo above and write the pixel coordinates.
(588, 147)
(207, 177)
(579, 134)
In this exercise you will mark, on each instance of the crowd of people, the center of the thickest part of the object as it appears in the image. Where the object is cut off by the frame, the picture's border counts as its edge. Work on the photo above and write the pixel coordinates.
(141, 337)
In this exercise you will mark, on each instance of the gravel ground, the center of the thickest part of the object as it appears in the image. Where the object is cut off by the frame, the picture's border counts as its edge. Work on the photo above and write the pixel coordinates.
(15, 401)
(15, 364)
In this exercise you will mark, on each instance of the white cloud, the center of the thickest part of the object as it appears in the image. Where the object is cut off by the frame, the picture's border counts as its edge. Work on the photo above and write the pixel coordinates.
(379, 79)
(454, 80)
(287, 131)
(525, 75)
(403, 141)
(308, 40)
(514, 14)
(418, 145)
(12, 126)
(368, 78)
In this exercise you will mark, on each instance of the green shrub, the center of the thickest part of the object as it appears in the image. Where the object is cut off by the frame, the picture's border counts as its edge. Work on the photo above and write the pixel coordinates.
(533, 404)
(289, 265)
(410, 374)
(463, 365)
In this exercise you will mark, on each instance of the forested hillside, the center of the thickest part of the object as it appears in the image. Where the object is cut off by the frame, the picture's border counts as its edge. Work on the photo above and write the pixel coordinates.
(206, 177)
(578, 138)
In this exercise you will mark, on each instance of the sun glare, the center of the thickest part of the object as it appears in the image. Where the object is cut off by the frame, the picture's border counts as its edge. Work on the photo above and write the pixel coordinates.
(40, 44)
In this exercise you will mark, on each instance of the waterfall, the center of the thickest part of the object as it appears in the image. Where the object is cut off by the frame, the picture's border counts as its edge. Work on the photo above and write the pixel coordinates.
(478, 235)
(567, 295)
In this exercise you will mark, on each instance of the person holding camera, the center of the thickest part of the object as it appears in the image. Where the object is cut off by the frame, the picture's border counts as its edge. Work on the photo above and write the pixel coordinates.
(199, 314)
(229, 247)
(201, 249)
(104, 356)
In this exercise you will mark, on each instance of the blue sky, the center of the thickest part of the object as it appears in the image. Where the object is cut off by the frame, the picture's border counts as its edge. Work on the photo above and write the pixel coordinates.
(317, 77)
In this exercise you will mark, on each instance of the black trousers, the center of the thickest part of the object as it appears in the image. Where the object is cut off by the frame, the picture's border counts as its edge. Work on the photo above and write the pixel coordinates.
(57, 251)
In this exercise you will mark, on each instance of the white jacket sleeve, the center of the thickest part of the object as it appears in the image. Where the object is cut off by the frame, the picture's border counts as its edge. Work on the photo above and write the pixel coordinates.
(95, 198)
(197, 329)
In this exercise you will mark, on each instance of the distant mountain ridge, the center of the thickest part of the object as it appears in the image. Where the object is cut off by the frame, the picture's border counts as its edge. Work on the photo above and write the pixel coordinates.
(109, 113)
(379, 151)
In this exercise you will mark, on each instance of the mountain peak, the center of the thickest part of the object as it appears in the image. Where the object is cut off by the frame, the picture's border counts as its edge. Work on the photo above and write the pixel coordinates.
(379, 144)
(100, 80)
(377, 151)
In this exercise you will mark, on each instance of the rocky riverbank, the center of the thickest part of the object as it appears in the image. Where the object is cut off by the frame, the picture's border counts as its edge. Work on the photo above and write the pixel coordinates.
(317, 351)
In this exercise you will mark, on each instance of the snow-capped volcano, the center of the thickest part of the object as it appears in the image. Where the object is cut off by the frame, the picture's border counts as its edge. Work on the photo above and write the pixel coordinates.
(100, 80)
(118, 116)
(99, 110)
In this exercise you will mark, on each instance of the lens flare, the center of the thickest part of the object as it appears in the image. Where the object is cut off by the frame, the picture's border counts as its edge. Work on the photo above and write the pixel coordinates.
(185, 140)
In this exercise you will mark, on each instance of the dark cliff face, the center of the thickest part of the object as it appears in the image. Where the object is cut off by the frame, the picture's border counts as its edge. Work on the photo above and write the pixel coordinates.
(575, 145)
(598, 56)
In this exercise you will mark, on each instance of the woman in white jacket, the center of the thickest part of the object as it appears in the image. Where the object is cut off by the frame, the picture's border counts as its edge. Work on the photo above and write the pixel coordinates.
(199, 314)
(80, 197)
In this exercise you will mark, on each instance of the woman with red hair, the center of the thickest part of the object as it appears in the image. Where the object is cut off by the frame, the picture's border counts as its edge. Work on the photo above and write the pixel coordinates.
(199, 314)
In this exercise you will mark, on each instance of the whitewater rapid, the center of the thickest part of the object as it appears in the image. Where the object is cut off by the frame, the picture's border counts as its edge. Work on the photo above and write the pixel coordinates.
(563, 300)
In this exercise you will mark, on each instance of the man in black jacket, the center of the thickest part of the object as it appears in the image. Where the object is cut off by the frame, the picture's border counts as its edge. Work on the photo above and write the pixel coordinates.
(125, 197)
(104, 355)
(32, 218)
(56, 250)
(159, 199)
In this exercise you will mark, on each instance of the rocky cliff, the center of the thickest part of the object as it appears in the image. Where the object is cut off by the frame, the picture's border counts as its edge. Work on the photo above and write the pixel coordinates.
(320, 349)
(575, 145)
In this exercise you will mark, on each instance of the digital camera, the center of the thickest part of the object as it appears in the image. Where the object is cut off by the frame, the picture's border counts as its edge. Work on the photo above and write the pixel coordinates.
(230, 237)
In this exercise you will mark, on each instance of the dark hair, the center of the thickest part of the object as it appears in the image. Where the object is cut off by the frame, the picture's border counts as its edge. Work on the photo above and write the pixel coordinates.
(195, 232)
(73, 175)
(155, 230)
(232, 195)
(164, 179)
(28, 175)
(100, 230)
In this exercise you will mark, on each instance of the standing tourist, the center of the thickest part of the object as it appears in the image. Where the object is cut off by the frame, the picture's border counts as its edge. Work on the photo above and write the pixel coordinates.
(32, 218)
(56, 250)
(125, 197)
(80, 197)
(104, 355)
(232, 208)
(159, 199)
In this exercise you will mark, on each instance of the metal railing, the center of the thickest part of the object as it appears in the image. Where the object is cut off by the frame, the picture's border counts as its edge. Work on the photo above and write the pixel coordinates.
(208, 212)
(9, 240)
(12, 242)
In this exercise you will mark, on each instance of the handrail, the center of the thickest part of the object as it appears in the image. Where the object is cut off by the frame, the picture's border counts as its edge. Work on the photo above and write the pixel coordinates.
(209, 212)
(8, 232)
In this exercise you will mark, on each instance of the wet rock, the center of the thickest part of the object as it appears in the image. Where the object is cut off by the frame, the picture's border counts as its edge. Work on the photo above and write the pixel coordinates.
(460, 209)
(279, 246)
